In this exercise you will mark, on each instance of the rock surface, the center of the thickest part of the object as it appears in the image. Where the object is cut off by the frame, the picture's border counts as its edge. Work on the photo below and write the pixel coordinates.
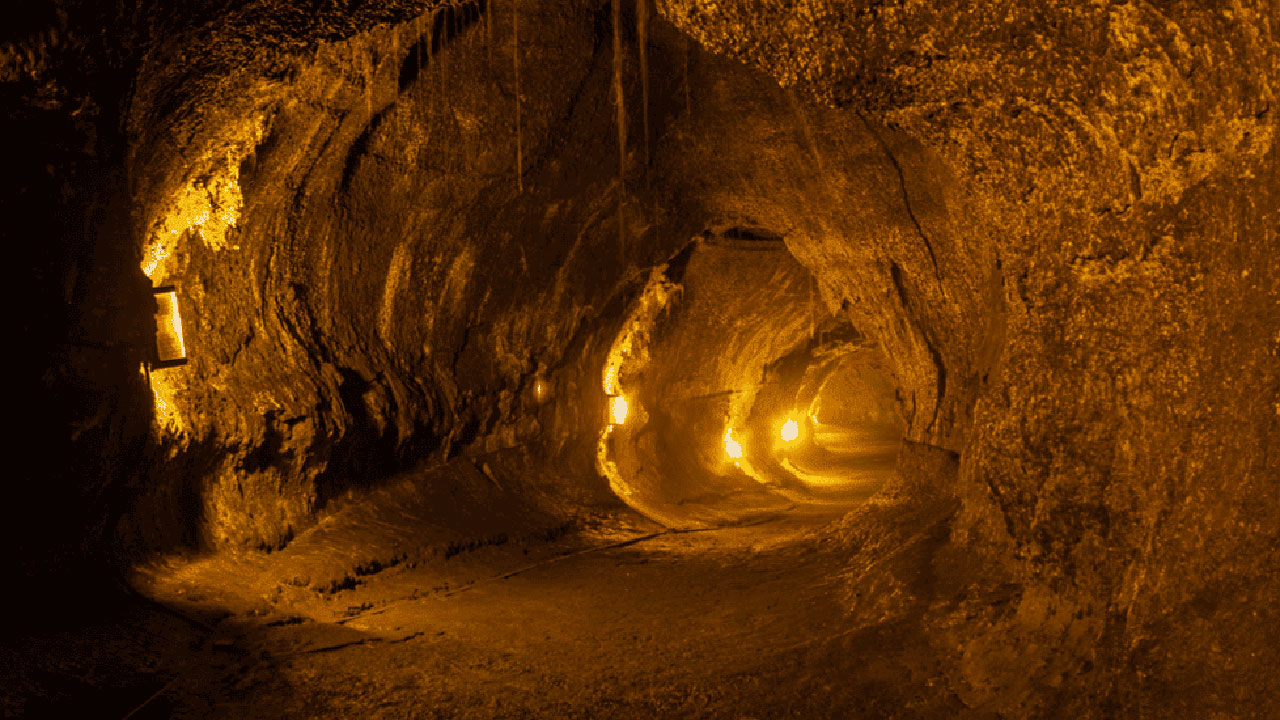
(389, 221)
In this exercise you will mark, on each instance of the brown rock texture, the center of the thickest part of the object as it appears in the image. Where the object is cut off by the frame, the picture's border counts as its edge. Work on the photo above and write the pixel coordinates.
(1118, 162)
(411, 234)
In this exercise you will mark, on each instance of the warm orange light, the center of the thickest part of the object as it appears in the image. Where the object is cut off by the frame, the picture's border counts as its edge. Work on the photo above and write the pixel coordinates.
(169, 343)
(618, 409)
(155, 255)
(790, 430)
(175, 322)
(732, 447)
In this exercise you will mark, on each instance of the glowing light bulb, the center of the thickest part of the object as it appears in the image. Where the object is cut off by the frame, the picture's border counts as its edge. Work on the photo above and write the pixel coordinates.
(618, 410)
(790, 430)
(175, 322)
(732, 447)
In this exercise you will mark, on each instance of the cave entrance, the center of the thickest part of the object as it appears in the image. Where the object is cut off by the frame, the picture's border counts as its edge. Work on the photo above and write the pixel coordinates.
(745, 392)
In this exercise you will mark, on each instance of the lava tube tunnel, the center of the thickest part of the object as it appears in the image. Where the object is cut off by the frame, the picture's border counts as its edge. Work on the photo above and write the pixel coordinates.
(728, 348)
(630, 359)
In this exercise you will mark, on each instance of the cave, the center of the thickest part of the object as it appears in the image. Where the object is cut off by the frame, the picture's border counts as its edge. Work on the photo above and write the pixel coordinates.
(630, 359)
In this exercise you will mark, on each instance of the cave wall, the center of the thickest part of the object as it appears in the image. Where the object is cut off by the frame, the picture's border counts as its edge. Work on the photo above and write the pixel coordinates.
(374, 272)
(392, 285)
(856, 390)
(1118, 161)
(1057, 221)
(869, 212)
(351, 226)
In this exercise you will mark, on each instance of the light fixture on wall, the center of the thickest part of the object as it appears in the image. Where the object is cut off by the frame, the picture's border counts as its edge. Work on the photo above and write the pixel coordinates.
(170, 348)
(732, 447)
(542, 390)
(617, 410)
(790, 430)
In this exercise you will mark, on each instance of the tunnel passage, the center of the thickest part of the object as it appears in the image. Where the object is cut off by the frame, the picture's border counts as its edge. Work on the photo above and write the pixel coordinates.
(728, 348)
(827, 423)
(376, 269)
(387, 224)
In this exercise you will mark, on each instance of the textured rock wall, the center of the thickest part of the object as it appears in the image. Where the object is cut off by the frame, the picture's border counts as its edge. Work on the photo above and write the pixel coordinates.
(855, 390)
(382, 296)
(1118, 160)
(72, 74)
(374, 272)
(865, 210)
(1058, 221)
(372, 269)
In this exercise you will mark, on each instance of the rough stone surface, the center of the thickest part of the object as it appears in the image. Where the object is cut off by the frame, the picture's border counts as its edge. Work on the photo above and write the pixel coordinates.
(388, 221)
(1120, 158)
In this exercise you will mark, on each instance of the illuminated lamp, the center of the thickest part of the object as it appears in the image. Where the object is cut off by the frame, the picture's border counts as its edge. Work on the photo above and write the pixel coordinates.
(732, 447)
(790, 430)
(170, 349)
(541, 390)
(617, 410)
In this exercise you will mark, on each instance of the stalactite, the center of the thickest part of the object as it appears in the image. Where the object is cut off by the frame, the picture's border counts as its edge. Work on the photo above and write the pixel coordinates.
(515, 56)
(813, 310)
(444, 63)
(368, 89)
(621, 115)
(642, 40)
(395, 57)
(688, 99)
(488, 31)
(429, 43)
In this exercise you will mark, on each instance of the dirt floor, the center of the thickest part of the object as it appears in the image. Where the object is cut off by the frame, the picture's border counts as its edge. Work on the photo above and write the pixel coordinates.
(741, 622)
